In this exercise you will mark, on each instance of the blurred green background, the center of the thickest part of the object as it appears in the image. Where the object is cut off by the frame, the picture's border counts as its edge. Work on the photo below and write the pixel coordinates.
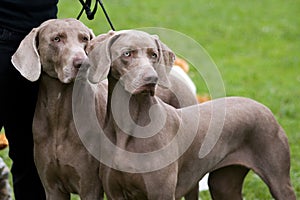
(255, 45)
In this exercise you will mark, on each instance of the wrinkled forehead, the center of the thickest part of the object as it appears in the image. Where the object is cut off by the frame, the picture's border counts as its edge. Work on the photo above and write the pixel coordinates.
(63, 25)
(135, 40)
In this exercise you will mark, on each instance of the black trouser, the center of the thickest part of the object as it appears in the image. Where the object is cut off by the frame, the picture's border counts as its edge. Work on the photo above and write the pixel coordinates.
(17, 105)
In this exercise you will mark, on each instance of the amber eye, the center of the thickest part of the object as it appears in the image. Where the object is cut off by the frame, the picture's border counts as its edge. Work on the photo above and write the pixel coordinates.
(57, 39)
(127, 54)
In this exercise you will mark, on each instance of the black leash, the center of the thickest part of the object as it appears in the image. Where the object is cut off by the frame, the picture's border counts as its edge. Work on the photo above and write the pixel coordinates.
(86, 6)
(106, 15)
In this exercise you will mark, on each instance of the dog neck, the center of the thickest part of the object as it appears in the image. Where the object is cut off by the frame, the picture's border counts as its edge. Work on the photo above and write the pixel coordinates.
(126, 112)
(53, 108)
(53, 90)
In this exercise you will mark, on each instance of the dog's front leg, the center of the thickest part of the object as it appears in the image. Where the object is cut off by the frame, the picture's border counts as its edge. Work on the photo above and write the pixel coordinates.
(161, 183)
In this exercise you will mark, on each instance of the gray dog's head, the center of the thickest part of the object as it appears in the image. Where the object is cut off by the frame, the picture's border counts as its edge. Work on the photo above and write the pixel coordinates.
(57, 47)
(139, 60)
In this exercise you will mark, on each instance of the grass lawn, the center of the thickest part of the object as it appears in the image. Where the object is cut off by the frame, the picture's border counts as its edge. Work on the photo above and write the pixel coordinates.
(255, 45)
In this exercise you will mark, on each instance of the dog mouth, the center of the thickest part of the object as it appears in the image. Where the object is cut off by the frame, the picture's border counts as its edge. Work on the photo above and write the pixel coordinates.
(68, 74)
(146, 89)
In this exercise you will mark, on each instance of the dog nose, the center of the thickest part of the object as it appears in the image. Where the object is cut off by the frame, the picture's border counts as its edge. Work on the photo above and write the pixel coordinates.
(151, 79)
(150, 76)
(78, 60)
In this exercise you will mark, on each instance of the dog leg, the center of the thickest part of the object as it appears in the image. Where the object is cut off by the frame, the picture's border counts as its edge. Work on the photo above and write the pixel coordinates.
(274, 167)
(278, 181)
(57, 195)
(277, 177)
(227, 182)
(193, 194)
(282, 190)
(93, 194)
(163, 186)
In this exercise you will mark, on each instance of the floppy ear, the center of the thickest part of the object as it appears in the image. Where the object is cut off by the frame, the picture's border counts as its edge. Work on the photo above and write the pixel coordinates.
(100, 60)
(26, 59)
(98, 39)
(167, 58)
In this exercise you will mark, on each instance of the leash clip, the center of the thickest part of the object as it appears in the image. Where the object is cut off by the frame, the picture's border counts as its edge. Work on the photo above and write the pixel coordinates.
(86, 6)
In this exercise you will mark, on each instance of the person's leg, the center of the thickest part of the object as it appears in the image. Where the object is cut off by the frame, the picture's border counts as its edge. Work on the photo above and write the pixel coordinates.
(17, 105)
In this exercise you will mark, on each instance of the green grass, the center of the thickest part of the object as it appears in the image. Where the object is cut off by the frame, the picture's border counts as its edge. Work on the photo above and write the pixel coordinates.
(255, 45)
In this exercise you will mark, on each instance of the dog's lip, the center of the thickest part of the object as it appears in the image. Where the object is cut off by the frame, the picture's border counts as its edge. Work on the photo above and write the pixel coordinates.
(147, 88)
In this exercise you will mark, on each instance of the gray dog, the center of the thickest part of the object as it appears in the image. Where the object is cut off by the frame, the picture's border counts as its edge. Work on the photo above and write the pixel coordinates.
(226, 137)
(53, 53)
